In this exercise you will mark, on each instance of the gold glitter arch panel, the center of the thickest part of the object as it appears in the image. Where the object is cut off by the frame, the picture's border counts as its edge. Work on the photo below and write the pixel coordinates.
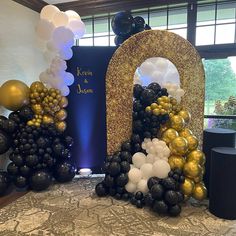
(119, 80)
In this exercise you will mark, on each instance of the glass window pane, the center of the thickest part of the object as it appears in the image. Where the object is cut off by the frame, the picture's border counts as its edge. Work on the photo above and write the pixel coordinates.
(158, 19)
(177, 18)
(101, 41)
(112, 43)
(181, 32)
(89, 28)
(206, 15)
(226, 13)
(101, 26)
(219, 123)
(86, 42)
(220, 90)
(205, 35)
(225, 33)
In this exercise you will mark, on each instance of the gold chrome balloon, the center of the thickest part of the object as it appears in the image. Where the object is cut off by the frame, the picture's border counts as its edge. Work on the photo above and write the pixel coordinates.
(169, 135)
(179, 146)
(192, 169)
(47, 119)
(199, 192)
(61, 126)
(14, 94)
(64, 102)
(177, 122)
(187, 187)
(196, 155)
(37, 109)
(185, 132)
(186, 115)
(61, 115)
(192, 142)
(37, 86)
(176, 162)
(198, 178)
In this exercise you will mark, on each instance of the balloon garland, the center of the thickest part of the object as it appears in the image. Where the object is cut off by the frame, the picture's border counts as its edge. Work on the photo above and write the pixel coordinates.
(35, 130)
(160, 166)
(124, 25)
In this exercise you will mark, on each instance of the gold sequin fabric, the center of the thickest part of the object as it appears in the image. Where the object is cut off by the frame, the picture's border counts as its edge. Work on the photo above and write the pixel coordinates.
(73, 209)
(119, 80)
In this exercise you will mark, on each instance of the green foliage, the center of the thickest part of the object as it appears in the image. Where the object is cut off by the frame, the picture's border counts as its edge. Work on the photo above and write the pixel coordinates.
(220, 79)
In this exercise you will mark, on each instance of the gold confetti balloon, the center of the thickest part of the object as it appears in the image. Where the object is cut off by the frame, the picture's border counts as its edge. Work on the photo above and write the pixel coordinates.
(199, 192)
(179, 146)
(14, 94)
(196, 155)
(192, 169)
(192, 142)
(61, 126)
(185, 132)
(169, 135)
(176, 161)
(187, 187)
(185, 115)
(47, 119)
(63, 102)
(177, 122)
(61, 115)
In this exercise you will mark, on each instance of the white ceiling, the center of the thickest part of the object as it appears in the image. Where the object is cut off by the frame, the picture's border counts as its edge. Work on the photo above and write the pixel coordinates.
(58, 1)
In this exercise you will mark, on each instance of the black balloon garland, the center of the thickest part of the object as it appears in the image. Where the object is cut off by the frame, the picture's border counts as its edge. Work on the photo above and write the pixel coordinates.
(38, 153)
(125, 25)
(164, 196)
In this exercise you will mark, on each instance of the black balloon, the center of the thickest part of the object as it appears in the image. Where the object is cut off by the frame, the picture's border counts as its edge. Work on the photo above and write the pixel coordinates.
(160, 207)
(147, 27)
(69, 141)
(169, 183)
(152, 181)
(139, 24)
(137, 91)
(40, 180)
(17, 159)
(25, 171)
(139, 195)
(114, 168)
(109, 181)
(21, 182)
(118, 40)
(155, 87)
(148, 199)
(122, 179)
(101, 190)
(59, 149)
(124, 166)
(31, 160)
(147, 96)
(171, 197)
(157, 191)
(14, 116)
(122, 24)
(4, 182)
(126, 146)
(174, 210)
(64, 172)
(26, 113)
(5, 142)
(12, 169)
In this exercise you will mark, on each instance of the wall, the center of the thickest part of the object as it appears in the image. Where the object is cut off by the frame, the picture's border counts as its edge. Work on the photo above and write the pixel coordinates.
(20, 56)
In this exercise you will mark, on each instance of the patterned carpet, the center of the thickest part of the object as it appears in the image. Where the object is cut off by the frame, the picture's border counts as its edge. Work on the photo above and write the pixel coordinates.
(74, 210)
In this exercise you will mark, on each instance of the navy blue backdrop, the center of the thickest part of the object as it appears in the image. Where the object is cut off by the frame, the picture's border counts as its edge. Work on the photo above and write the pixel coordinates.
(87, 105)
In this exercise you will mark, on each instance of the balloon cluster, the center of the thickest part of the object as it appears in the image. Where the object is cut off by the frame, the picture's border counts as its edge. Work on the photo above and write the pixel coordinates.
(38, 153)
(48, 106)
(125, 25)
(58, 30)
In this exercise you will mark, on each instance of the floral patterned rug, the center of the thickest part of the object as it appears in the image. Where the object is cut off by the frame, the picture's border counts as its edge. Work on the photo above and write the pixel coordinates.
(73, 209)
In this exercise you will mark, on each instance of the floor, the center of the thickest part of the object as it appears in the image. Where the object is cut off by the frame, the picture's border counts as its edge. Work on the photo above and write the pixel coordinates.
(74, 210)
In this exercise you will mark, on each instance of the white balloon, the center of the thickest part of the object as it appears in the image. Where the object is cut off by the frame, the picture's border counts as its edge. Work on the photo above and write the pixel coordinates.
(43, 77)
(142, 186)
(48, 12)
(130, 187)
(65, 91)
(69, 79)
(147, 68)
(44, 29)
(77, 27)
(146, 170)
(138, 159)
(62, 38)
(161, 168)
(73, 15)
(60, 19)
(48, 56)
(51, 47)
(66, 54)
(150, 158)
(135, 175)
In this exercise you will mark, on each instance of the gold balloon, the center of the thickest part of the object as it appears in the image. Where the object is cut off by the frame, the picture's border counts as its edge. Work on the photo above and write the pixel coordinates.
(186, 116)
(61, 115)
(37, 86)
(61, 126)
(192, 169)
(63, 103)
(176, 162)
(177, 122)
(14, 94)
(192, 142)
(196, 155)
(169, 135)
(30, 123)
(179, 146)
(198, 178)
(199, 192)
(187, 187)
(48, 119)
(37, 109)
(185, 133)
